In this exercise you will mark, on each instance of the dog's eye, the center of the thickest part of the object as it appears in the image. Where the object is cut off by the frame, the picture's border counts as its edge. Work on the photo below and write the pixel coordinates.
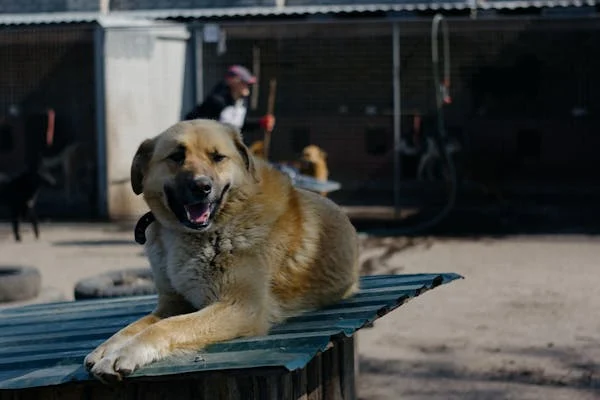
(217, 157)
(178, 157)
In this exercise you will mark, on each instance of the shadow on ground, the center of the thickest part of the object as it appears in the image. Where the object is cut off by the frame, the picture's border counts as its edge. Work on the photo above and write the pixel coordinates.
(579, 374)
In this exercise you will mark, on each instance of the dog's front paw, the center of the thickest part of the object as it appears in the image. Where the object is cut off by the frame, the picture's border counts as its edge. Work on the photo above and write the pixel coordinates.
(95, 356)
(116, 365)
(110, 346)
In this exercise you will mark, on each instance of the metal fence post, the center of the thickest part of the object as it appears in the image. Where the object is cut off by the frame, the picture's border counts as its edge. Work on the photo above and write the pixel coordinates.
(100, 100)
(397, 114)
(198, 62)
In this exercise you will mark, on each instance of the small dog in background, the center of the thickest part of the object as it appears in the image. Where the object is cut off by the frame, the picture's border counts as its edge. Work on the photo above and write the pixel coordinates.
(257, 149)
(314, 163)
(20, 193)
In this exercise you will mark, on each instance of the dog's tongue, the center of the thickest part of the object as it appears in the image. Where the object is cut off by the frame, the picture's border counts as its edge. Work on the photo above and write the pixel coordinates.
(198, 213)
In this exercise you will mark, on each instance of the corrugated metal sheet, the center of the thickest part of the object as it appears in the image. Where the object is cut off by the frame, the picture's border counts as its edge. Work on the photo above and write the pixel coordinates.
(42, 345)
(48, 18)
(303, 10)
(82, 17)
(36, 6)
(119, 5)
(515, 4)
(232, 12)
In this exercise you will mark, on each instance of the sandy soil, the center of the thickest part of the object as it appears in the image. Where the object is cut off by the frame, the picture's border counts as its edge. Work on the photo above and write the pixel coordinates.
(523, 324)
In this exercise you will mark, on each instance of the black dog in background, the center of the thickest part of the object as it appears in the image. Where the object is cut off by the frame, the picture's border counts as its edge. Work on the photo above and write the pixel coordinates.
(19, 194)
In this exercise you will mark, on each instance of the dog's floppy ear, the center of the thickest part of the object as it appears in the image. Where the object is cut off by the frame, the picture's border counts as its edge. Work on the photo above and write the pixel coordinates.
(236, 136)
(139, 166)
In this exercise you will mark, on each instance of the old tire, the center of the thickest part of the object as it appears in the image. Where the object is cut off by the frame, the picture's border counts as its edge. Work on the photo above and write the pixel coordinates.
(127, 282)
(19, 283)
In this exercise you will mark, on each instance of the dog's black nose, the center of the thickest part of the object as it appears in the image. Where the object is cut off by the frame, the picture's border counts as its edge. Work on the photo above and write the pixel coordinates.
(201, 185)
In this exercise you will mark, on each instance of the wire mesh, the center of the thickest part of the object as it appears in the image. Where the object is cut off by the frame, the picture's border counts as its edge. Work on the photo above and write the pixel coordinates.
(51, 67)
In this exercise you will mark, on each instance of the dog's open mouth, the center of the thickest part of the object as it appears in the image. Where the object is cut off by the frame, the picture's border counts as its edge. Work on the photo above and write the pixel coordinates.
(199, 213)
(196, 215)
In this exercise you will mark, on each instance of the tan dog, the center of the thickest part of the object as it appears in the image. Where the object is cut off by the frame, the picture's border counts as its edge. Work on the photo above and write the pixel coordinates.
(235, 248)
(314, 163)
(257, 149)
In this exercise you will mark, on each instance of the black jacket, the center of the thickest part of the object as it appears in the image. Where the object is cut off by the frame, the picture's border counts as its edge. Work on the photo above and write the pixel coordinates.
(220, 105)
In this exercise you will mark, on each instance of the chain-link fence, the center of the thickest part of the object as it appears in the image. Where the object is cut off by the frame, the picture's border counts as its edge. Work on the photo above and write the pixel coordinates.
(50, 68)
(523, 101)
(524, 106)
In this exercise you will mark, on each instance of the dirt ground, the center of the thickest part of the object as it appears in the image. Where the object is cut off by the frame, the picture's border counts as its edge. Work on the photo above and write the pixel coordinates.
(523, 324)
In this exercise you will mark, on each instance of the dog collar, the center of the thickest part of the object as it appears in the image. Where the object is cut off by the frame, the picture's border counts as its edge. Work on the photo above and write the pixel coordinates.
(140, 227)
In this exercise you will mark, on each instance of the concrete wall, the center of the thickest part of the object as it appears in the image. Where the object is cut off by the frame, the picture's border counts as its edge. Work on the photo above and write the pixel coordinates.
(146, 91)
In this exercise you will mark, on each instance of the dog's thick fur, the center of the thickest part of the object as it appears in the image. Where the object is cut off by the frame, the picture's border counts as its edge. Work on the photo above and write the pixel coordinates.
(271, 251)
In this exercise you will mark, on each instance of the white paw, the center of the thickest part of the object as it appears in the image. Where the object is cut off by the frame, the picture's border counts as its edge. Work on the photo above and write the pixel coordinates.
(95, 356)
(108, 346)
(123, 361)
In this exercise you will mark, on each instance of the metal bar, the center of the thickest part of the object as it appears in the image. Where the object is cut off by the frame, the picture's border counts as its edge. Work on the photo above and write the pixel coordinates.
(397, 114)
(256, 72)
(101, 174)
(199, 64)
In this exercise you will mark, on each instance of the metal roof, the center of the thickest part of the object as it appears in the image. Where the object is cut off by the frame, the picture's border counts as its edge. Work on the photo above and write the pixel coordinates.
(43, 345)
(232, 12)
(48, 18)
(83, 17)
(515, 4)
(301, 10)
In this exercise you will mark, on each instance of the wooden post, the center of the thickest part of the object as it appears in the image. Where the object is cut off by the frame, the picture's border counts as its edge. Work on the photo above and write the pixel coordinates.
(270, 111)
(347, 368)
(332, 384)
(314, 380)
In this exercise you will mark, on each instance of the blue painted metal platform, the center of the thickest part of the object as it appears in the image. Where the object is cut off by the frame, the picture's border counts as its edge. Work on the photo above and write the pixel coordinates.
(44, 345)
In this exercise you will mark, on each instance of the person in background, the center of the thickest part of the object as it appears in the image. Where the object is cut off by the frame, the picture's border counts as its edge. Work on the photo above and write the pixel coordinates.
(228, 102)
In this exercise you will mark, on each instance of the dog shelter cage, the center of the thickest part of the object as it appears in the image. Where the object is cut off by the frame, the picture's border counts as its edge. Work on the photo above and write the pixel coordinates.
(111, 83)
(522, 116)
(522, 112)
(45, 68)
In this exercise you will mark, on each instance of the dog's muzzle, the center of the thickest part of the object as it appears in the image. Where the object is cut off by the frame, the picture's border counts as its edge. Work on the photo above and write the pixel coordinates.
(194, 200)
